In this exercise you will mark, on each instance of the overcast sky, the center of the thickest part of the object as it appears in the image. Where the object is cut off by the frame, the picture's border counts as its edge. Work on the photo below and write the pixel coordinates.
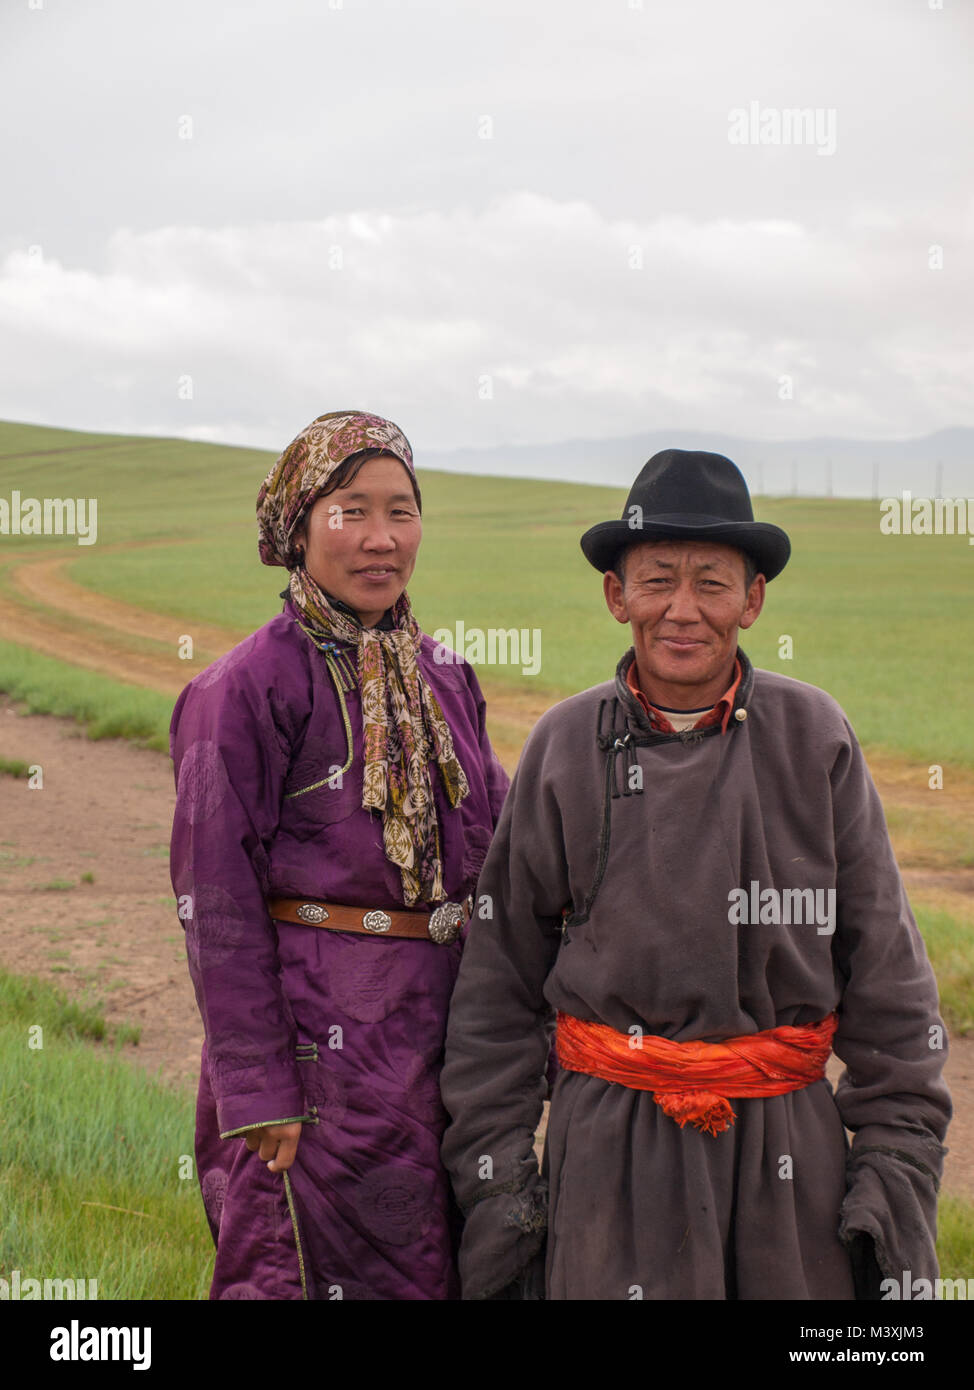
(512, 222)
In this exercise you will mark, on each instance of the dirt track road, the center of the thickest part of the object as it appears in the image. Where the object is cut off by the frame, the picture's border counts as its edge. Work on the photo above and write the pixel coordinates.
(45, 609)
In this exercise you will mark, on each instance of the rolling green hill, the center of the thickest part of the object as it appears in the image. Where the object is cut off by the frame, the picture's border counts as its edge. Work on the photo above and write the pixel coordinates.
(885, 623)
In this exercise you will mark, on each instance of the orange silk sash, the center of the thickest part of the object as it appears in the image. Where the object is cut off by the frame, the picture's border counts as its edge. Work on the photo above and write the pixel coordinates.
(691, 1081)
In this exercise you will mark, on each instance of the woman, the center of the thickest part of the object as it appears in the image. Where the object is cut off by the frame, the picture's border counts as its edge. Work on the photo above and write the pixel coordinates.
(336, 795)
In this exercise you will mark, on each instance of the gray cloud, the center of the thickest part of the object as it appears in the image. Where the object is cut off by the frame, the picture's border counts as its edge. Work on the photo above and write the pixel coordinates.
(513, 257)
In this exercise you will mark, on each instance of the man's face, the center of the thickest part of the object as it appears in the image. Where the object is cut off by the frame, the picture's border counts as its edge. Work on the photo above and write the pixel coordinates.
(361, 540)
(685, 601)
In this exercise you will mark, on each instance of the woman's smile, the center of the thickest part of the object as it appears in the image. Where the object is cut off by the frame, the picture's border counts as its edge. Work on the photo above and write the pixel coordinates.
(362, 539)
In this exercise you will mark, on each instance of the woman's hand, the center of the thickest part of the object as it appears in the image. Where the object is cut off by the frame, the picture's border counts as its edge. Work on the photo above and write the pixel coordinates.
(278, 1144)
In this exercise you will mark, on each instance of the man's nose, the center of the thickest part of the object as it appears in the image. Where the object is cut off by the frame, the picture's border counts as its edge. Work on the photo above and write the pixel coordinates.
(683, 606)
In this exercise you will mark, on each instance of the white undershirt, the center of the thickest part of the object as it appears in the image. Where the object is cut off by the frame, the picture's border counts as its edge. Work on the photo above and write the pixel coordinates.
(683, 719)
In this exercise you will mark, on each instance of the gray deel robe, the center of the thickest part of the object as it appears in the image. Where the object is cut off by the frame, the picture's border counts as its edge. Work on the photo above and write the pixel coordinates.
(777, 1206)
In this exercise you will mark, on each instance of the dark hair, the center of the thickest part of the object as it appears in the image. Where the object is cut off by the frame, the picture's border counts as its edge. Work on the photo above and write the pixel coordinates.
(346, 471)
(350, 468)
(619, 565)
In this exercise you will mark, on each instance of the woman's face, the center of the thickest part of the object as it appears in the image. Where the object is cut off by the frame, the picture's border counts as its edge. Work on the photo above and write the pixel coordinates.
(361, 540)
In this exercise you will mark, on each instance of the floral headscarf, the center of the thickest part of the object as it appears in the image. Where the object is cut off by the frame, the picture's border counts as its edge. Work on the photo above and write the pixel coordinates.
(305, 466)
(403, 723)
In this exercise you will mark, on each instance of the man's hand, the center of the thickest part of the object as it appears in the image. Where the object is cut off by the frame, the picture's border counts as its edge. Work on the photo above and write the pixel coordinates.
(278, 1144)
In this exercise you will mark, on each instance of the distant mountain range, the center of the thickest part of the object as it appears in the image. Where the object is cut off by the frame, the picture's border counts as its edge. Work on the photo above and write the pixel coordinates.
(940, 464)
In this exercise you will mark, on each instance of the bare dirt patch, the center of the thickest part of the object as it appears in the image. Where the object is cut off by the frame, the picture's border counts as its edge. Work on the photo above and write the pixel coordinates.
(105, 809)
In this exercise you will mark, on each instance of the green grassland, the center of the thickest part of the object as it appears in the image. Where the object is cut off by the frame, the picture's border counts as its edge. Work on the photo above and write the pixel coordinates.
(885, 623)
(104, 1187)
(96, 1172)
(107, 708)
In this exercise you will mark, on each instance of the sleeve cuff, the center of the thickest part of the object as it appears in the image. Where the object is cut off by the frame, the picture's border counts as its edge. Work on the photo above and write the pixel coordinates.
(250, 1109)
(503, 1234)
(894, 1201)
(261, 1124)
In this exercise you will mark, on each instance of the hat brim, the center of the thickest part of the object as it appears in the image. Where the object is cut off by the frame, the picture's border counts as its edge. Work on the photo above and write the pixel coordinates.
(767, 545)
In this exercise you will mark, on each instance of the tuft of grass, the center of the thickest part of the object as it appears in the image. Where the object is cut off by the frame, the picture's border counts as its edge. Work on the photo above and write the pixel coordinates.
(955, 1237)
(58, 885)
(950, 946)
(26, 1000)
(105, 707)
(12, 767)
(127, 1033)
(930, 836)
(88, 877)
(106, 1146)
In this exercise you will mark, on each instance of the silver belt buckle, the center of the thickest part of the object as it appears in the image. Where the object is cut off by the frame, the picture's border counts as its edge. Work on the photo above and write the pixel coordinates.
(445, 923)
(376, 921)
(311, 912)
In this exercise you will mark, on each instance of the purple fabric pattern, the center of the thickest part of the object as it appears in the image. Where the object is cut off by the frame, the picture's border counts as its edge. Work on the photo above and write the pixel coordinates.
(343, 1032)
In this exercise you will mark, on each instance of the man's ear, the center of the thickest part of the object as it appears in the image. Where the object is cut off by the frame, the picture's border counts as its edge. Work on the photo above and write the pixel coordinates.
(614, 590)
(755, 601)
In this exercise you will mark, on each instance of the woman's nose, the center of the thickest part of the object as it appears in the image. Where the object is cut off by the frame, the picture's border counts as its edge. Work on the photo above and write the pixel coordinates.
(379, 537)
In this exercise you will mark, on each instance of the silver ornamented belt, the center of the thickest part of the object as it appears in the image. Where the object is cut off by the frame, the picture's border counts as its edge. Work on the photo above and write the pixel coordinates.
(443, 925)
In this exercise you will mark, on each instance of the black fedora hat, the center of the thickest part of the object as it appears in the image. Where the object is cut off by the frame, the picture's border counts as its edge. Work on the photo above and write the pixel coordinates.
(682, 495)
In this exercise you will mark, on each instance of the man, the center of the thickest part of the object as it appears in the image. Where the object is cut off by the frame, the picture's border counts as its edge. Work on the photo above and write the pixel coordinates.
(692, 870)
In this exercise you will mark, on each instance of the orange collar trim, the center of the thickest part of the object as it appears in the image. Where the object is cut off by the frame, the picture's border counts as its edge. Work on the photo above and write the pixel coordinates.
(720, 714)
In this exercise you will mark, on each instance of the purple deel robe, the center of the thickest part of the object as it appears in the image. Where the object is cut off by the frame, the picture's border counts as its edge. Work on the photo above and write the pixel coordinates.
(342, 1031)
